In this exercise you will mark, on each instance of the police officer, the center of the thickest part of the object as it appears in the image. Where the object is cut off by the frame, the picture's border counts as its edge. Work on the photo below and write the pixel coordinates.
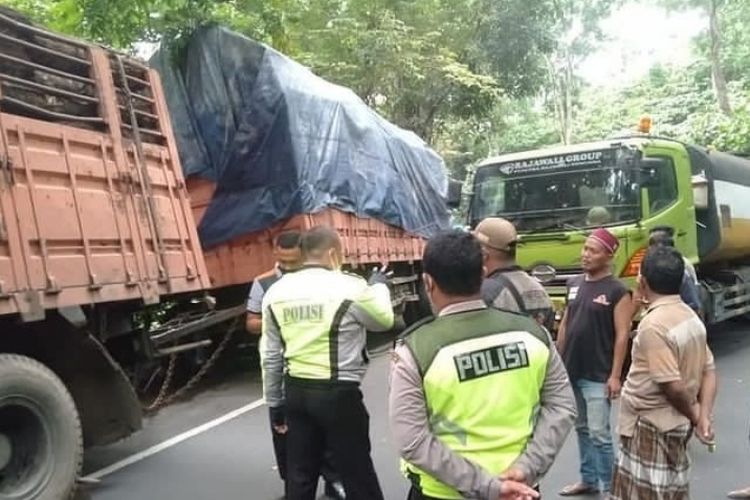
(507, 286)
(466, 388)
(315, 323)
(288, 255)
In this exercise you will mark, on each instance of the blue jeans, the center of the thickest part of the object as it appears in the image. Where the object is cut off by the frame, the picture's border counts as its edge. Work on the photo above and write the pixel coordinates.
(594, 434)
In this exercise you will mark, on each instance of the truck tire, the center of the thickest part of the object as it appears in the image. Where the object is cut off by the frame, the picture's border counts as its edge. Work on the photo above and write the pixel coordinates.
(41, 444)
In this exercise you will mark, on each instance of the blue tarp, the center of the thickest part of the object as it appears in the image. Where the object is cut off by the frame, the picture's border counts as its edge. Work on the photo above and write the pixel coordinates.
(280, 141)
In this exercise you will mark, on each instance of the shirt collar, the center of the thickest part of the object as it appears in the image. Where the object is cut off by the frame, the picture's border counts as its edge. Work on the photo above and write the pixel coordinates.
(506, 269)
(461, 307)
(665, 301)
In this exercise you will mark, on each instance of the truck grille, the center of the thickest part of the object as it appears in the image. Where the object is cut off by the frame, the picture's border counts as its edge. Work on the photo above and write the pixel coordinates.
(561, 278)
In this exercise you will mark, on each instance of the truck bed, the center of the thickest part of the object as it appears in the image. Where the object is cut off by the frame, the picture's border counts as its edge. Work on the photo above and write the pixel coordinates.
(93, 206)
(367, 242)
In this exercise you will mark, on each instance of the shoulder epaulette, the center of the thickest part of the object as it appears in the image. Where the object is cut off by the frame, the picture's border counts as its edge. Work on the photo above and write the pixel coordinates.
(415, 326)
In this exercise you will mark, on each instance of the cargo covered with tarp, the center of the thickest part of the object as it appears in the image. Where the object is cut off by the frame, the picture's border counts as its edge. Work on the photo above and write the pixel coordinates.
(279, 141)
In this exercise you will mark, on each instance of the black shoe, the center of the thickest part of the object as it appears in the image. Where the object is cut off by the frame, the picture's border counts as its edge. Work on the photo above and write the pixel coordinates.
(335, 490)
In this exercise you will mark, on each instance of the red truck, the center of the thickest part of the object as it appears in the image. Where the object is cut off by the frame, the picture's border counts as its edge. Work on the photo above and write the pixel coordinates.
(97, 233)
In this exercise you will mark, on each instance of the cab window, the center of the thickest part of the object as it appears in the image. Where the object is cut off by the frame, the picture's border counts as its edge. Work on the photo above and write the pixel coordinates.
(662, 190)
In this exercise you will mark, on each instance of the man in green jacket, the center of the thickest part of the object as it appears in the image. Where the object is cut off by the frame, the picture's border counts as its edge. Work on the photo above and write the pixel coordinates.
(315, 323)
(480, 402)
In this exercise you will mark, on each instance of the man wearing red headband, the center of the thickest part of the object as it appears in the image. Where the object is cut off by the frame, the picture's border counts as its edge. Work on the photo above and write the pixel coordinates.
(593, 339)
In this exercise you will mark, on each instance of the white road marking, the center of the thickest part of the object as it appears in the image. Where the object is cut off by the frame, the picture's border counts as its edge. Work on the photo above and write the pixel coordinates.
(132, 459)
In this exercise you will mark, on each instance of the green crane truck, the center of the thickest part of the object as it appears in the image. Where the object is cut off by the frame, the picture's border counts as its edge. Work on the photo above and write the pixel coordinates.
(630, 185)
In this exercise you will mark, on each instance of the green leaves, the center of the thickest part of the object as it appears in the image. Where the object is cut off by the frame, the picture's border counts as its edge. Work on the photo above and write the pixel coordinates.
(473, 77)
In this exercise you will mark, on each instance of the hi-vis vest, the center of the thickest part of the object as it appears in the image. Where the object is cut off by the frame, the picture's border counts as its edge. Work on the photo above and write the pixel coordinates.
(482, 374)
(311, 309)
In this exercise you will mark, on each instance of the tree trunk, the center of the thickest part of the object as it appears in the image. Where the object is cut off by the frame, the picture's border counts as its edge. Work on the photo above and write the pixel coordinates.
(717, 71)
(568, 88)
(558, 101)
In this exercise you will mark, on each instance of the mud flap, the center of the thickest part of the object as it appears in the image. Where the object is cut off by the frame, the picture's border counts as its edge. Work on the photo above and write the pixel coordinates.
(108, 405)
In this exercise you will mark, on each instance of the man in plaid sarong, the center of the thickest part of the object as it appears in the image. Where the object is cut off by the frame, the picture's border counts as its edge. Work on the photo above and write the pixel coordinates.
(669, 391)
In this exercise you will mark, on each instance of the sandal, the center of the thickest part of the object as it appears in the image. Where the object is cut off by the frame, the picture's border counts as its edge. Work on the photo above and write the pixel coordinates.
(579, 490)
(743, 493)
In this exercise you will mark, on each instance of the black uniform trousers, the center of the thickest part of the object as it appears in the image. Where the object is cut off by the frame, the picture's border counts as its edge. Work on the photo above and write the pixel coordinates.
(321, 416)
(279, 449)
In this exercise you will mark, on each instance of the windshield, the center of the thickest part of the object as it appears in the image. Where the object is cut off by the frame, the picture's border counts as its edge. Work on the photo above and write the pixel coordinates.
(569, 192)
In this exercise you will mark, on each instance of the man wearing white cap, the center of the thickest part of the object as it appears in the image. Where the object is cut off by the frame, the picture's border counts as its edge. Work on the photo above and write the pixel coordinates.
(507, 286)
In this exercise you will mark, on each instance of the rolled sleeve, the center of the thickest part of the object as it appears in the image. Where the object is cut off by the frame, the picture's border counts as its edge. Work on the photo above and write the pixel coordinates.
(418, 446)
(709, 364)
(255, 299)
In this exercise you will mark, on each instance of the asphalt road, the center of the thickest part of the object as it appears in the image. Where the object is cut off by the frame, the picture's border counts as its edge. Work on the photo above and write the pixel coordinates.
(232, 460)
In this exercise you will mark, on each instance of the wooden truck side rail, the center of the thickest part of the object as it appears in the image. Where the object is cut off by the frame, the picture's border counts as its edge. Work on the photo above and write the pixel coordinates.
(367, 242)
(92, 201)
(95, 224)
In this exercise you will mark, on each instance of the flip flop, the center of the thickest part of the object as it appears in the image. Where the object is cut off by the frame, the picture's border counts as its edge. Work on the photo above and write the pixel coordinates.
(579, 490)
(743, 493)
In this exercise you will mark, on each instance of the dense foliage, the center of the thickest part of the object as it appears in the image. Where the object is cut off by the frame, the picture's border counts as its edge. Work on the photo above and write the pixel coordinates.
(472, 77)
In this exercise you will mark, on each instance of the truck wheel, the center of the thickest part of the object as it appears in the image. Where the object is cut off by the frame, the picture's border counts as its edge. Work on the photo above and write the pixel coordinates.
(41, 446)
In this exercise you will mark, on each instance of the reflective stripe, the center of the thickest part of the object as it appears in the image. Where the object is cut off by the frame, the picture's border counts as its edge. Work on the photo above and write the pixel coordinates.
(333, 338)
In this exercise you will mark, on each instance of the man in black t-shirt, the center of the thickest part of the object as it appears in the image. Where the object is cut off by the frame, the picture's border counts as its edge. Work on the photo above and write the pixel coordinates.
(593, 340)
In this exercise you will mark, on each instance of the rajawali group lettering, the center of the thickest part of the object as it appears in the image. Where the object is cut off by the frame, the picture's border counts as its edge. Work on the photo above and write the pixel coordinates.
(491, 360)
(532, 165)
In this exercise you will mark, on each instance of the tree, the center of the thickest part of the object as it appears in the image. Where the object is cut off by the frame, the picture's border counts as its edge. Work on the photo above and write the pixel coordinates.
(123, 24)
(423, 63)
(512, 39)
(404, 69)
(578, 33)
(712, 9)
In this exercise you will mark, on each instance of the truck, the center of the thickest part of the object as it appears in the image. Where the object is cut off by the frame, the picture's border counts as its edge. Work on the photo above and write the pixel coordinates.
(630, 185)
(268, 146)
(104, 277)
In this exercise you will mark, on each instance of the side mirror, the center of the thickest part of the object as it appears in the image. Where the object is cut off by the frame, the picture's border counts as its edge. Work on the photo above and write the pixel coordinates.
(455, 190)
(700, 191)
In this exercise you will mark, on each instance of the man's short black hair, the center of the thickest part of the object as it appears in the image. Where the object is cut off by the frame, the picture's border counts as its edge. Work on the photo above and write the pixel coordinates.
(668, 230)
(661, 239)
(454, 260)
(319, 240)
(663, 268)
(289, 240)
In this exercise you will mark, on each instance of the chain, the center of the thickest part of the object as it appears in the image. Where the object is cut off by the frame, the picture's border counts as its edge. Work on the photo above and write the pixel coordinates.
(163, 400)
(159, 401)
